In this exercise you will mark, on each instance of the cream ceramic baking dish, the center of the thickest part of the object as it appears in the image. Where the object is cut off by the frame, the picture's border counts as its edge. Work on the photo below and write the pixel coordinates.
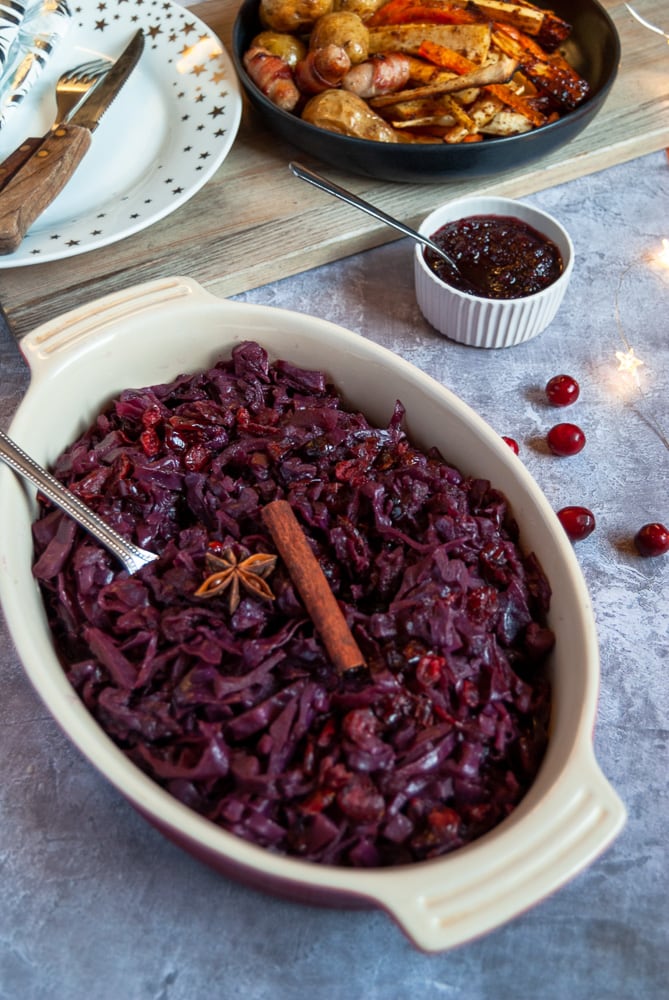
(151, 333)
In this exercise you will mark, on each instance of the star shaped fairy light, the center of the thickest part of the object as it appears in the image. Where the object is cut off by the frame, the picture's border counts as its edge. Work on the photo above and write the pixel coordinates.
(628, 362)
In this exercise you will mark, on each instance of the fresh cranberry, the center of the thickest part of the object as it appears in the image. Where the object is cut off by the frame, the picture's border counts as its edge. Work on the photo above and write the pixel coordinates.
(565, 439)
(513, 445)
(652, 539)
(562, 390)
(578, 522)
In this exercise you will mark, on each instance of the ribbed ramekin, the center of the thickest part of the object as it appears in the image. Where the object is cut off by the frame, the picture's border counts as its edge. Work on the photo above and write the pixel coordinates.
(482, 322)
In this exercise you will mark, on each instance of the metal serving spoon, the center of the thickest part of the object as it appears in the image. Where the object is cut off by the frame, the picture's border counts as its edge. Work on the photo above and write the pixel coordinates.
(305, 174)
(132, 557)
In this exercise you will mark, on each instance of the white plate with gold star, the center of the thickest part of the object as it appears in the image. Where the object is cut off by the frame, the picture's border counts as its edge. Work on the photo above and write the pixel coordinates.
(167, 132)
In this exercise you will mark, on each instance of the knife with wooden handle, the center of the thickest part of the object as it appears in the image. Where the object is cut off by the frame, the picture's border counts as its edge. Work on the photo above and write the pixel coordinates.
(17, 158)
(12, 163)
(48, 169)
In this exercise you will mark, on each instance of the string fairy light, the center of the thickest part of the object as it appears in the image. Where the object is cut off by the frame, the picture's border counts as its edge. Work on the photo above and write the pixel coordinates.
(663, 255)
(647, 24)
(628, 362)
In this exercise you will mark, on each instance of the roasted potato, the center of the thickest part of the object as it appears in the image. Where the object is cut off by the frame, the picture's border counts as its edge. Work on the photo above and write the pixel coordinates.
(297, 16)
(363, 8)
(287, 47)
(343, 112)
(343, 29)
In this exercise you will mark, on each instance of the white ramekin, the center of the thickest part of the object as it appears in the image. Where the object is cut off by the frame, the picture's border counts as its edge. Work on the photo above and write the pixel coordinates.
(151, 333)
(481, 322)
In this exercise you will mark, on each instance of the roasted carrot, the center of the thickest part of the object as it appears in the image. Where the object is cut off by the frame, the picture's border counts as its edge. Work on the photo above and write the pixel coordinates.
(448, 59)
(423, 11)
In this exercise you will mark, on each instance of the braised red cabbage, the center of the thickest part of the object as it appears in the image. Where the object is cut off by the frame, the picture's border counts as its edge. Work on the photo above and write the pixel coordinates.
(241, 716)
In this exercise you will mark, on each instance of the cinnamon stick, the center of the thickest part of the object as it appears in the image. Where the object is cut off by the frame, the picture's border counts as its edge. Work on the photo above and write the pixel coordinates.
(312, 585)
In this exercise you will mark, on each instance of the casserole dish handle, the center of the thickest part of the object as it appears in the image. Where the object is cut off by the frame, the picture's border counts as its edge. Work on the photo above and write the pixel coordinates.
(47, 346)
(493, 881)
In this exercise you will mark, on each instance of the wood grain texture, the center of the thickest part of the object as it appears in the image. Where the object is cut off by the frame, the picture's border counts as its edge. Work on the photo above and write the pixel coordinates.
(37, 183)
(253, 222)
(18, 157)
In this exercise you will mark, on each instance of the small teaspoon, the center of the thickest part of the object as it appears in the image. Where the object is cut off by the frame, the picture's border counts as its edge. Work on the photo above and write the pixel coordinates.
(131, 556)
(305, 174)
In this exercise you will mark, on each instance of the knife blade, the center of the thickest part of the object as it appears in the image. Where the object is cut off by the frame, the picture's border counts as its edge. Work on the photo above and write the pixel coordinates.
(46, 172)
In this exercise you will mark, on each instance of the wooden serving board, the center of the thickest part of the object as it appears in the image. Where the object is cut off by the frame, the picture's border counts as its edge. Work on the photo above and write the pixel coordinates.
(254, 223)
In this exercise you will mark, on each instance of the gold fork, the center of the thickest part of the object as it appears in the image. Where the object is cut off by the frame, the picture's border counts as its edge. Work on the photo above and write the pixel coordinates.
(71, 88)
(74, 84)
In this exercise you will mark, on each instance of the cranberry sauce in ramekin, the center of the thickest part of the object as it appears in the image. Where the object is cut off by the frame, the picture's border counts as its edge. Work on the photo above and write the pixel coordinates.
(498, 256)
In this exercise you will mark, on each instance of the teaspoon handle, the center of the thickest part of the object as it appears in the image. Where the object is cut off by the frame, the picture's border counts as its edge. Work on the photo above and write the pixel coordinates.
(305, 174)
(132, 557)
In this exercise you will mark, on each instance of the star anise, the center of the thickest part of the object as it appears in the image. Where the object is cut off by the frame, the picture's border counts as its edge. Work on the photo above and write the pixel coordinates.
(228, 573)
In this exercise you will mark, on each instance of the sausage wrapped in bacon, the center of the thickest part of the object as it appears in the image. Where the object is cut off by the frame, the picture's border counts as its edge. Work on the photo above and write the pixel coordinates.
(273, 76)
(322, 69)
(382, 74)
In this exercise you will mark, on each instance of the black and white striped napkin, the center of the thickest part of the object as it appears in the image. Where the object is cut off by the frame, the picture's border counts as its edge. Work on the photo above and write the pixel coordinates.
(29, 32)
